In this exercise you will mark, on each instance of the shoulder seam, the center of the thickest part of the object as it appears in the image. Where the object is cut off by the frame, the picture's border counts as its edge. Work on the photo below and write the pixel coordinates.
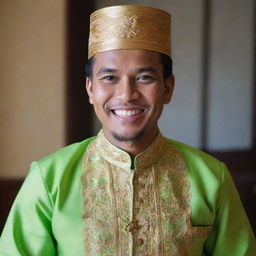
(46, 188)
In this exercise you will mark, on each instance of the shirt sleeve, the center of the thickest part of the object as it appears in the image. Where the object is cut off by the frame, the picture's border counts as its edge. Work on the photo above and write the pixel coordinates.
(28, 227)
(231, 234)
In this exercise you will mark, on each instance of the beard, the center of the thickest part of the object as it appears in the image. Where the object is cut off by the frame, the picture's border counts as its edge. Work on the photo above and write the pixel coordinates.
(131, 138)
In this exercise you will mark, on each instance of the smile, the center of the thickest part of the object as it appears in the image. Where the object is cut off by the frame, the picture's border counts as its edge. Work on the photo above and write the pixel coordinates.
(127, 113)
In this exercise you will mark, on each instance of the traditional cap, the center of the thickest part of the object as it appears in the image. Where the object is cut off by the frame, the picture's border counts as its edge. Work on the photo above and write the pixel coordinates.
(129, 27)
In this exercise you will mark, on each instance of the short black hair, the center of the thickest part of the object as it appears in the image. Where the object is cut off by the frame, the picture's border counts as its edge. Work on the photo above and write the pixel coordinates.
(89, 67)
(166, 61)
(167, 64)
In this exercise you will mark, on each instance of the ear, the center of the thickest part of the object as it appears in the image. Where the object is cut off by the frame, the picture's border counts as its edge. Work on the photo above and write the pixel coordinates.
(89, 89)
(169, 86)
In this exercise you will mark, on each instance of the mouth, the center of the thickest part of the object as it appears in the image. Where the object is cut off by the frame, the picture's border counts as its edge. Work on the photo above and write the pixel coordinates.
(127, 112)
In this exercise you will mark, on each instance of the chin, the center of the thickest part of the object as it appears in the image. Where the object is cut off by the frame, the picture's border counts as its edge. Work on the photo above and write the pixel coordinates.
(131, 137)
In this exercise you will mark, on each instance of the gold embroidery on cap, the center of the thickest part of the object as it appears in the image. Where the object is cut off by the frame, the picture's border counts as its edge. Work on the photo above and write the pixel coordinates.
(127, 27)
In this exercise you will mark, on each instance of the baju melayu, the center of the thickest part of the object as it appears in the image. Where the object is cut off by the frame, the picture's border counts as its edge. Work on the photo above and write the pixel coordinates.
(90, 199)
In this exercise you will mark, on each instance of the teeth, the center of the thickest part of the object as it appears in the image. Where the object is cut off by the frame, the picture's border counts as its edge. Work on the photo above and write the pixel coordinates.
(125, 113)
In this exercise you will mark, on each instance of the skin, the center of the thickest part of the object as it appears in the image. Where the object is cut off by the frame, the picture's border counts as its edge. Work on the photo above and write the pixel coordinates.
(128, 92)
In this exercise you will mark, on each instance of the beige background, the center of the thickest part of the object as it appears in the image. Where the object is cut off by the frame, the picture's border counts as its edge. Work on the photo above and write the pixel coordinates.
(32, 73)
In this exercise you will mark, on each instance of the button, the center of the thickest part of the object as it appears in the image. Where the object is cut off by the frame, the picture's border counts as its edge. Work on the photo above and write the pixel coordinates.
(140, 242)
(132, 226)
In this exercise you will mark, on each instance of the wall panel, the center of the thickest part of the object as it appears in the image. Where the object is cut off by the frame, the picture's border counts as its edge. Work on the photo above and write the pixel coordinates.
(231, 73)
(32, 82)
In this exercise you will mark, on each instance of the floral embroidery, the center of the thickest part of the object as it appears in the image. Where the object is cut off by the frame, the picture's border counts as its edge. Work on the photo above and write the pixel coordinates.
(136, 212)
(127, 26)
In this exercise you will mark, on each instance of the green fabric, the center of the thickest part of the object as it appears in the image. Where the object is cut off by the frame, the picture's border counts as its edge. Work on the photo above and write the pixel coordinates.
(46, 217)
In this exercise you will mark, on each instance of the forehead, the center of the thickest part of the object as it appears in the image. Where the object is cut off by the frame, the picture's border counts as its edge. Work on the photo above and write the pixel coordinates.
(127, 59)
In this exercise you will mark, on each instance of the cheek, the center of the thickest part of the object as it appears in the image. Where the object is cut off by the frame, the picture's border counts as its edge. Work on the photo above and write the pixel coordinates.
(156, 96)
(100, 95)
(101, 98)
(156, 99)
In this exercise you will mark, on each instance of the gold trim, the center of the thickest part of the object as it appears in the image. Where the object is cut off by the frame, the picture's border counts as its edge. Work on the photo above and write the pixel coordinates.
(201, 231)
(129, 27)
(140, 212)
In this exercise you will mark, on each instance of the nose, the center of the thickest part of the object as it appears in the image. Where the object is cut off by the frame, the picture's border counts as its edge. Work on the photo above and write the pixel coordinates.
(127, 90)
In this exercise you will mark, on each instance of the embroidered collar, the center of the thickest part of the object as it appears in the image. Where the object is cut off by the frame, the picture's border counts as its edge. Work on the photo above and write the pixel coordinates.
(122, 159)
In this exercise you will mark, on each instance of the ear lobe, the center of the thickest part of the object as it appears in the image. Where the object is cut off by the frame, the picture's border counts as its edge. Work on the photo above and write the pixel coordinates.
(89, 89)
(169, 87)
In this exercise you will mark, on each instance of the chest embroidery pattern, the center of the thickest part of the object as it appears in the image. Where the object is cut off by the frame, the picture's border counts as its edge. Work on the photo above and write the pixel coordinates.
(143, 212)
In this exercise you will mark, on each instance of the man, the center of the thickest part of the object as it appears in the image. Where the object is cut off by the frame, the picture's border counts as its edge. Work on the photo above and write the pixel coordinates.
(141, 193)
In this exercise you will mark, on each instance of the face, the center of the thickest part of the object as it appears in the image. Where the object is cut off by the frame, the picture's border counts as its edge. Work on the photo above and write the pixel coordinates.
(128, 92)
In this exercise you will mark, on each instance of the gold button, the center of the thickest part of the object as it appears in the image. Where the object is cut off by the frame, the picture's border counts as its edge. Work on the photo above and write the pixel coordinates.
(132, 226)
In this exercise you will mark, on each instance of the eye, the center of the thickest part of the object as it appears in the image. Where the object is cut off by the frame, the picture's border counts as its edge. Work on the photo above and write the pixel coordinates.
(108, 78)
(145, 78)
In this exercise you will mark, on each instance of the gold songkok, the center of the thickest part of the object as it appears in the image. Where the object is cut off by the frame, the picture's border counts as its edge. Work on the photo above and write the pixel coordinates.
(129, 27)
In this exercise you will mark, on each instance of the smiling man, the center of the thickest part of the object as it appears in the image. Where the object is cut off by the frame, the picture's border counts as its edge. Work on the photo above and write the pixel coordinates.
(128, 91)
(141, 193)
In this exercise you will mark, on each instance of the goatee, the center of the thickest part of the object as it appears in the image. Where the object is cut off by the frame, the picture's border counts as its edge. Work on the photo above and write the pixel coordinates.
(131, 138)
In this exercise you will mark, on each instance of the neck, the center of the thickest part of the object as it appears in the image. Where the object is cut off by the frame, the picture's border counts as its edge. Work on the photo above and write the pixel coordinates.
(133, 147)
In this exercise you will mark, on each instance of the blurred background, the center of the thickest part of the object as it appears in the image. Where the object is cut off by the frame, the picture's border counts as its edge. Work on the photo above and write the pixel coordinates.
(43, 104)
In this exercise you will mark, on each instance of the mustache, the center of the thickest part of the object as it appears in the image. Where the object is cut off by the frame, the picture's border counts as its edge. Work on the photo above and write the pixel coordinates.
(127, 105)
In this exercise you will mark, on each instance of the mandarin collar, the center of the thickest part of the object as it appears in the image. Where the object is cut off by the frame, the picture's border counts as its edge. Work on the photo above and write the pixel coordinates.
(120, 158)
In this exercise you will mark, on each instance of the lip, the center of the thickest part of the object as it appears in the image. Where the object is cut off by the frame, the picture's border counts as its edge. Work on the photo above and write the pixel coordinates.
(128, 114)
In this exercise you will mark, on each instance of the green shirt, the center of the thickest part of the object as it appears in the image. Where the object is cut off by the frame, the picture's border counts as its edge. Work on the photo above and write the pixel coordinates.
(87, 200)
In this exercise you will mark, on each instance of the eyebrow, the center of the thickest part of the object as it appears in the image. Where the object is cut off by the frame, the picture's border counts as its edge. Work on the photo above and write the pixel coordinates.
(146, 69)
(113, 70)
(106, 70)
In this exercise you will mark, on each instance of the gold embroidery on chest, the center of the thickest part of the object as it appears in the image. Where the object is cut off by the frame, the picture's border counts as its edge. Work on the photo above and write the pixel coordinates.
(146, 213)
